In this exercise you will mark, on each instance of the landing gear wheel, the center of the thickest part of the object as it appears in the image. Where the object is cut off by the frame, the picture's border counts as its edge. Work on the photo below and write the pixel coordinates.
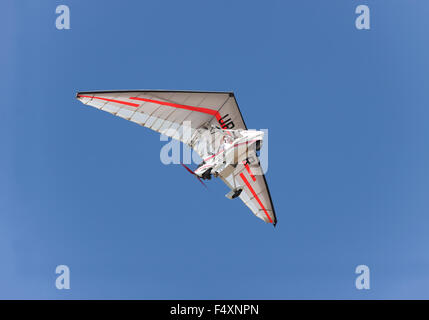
(207, 174)
(234, 193)
(237, 193)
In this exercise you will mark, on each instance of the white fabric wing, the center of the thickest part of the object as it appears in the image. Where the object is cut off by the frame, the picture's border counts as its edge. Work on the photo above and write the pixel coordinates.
(168, 112)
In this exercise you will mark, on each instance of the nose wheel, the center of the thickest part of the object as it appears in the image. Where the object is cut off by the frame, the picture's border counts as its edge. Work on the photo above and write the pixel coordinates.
(207, 174)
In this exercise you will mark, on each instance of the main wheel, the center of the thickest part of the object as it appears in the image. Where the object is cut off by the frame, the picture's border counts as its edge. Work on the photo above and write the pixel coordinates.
(237, 193)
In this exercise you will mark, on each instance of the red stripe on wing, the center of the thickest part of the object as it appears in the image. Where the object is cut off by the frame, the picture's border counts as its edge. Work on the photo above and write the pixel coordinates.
(212, 112)
(246, 165)
(112, 100)
(179, 106)
(255, 195)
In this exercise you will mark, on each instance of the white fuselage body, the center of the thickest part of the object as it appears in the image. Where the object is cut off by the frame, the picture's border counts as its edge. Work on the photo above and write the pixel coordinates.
(233, 147)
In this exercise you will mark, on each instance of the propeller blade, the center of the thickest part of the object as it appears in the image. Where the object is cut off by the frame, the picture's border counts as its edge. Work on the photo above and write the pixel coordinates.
(193, 173)
(201, 181)
(189, 170)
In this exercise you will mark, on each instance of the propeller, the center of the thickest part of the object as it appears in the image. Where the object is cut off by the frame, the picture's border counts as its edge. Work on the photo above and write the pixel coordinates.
(193, 173)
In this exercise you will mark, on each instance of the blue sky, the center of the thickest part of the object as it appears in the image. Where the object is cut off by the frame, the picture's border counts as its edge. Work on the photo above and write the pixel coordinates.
(347, 114)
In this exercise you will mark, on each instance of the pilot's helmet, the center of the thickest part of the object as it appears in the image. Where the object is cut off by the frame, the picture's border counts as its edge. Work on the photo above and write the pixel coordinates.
(227, 139)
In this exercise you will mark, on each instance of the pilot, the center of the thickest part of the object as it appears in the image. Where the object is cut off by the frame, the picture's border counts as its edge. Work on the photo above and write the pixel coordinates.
(227, 141)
